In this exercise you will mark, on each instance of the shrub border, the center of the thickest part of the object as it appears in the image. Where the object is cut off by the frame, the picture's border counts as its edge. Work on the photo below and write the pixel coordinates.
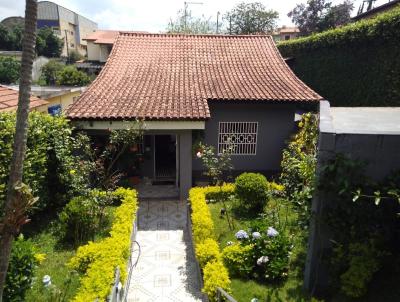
(203, 233)
(99, 260)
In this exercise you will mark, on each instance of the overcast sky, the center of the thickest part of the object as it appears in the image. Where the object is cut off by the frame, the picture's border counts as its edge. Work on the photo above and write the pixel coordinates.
(152, 15)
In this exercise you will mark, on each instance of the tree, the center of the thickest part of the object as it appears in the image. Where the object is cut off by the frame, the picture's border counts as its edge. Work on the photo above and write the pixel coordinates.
(320, 15)
(50, 71)
(5, 38)
(9, 70)
(251, 18)
(19, 198)
(70, 76)
(49, 45)
(186, 23)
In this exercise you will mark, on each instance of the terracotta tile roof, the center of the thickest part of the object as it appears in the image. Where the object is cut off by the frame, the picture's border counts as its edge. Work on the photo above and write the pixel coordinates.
(9, 99)
(172, 76)
(102, 36)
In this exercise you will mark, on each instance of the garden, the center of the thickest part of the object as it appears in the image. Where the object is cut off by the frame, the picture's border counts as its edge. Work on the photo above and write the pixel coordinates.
(250, 235)
(82, 222)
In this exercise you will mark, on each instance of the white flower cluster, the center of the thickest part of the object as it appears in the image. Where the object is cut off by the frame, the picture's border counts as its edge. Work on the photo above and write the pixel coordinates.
(262, 260)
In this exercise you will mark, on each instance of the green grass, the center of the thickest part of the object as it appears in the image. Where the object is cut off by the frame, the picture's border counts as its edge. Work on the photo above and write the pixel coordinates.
(245, 290)
(43, 232)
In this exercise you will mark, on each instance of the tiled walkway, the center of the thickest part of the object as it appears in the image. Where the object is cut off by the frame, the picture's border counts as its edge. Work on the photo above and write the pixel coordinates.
(166, 269)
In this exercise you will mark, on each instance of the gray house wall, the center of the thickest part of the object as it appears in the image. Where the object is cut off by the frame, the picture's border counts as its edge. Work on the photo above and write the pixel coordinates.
(275, 125)
(367, 134)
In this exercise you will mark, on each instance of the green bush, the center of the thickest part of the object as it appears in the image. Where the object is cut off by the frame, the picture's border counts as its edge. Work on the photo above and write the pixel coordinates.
(23, 262)
(353, 65)
(50, 71)
(97, 261)
(9, 70)
(238, 259)
(207, 251)
(79, 220)
(70, 76)
(298, 166)
(74, 56)
(51, 168)
(252, 190)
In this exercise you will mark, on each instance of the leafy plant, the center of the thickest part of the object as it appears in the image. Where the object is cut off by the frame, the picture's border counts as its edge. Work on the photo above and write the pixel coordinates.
(9, 70)
(48, 44)
(238, 259)
(50, 71)
(252, 190)
(23, 263)
(70, 76)
(207, 251)
(298, 166)
(215, 275)
(330, 61)
(97, 261)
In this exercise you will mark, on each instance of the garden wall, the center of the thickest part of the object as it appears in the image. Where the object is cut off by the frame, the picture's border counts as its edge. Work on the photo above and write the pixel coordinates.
(371, 135)
(355, 65)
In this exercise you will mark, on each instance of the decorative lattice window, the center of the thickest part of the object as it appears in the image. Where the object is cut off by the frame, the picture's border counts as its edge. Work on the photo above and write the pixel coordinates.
(238, 138)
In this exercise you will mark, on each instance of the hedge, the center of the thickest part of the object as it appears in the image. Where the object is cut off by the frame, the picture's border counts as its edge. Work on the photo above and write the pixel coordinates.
(353, 65)
(97, 261)
(215, 274)
(49, 159)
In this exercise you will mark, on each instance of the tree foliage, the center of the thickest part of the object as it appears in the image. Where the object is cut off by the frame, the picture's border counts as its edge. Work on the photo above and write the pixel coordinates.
(48, 44)
(320, 15)
(9, 70)
(50, 71)
(185, 22)
(70, 76)
(251, 18)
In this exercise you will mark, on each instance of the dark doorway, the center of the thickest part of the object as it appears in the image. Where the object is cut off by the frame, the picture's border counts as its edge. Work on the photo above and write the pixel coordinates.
(165, 158)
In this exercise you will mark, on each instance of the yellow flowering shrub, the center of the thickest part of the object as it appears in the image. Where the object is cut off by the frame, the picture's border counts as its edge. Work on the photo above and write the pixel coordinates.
(207, 250)
(98, 260)
(215, 275)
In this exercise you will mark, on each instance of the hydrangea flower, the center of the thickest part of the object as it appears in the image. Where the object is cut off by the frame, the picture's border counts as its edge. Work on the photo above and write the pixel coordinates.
(229, 243)
(241, 235)
(256, 235)
(271, 232)
(199, 155)
(262, 260)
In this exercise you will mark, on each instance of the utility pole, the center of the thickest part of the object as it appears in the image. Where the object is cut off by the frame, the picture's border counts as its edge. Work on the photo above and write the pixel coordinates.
(66, 42)
(218, 13)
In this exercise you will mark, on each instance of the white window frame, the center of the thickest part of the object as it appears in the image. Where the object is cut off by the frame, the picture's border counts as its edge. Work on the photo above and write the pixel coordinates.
(237, 130)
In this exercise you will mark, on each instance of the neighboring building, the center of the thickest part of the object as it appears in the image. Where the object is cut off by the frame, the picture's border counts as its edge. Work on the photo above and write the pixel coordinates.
(371, 13)
(223, 90)
(285, 33)
(9, 100)
(68, 25)
(99, 44)
(57, 98)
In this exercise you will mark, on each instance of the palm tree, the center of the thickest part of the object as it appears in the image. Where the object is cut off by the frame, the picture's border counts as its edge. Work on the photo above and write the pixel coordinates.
(16, 203)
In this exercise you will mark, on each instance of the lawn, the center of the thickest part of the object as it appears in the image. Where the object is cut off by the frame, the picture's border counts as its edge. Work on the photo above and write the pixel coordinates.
(245, 290)
(43, 231)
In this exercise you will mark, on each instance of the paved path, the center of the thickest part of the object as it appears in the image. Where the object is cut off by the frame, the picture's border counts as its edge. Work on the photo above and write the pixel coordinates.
(166, 269)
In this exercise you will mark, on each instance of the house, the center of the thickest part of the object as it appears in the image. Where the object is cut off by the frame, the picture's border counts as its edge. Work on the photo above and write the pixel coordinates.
(68, 25)
(373, 12)
(56, 98)
(99, 44)
(285, 33)
(9, 100)
(220, 89)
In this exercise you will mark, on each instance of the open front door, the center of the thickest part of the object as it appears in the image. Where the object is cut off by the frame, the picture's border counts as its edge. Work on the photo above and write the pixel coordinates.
(165, 158)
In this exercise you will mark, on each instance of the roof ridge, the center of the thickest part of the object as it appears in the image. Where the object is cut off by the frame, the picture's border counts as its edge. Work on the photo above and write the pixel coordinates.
(136, 33)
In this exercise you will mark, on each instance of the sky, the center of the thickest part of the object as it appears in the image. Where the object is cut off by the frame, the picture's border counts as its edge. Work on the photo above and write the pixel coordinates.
(153, 15)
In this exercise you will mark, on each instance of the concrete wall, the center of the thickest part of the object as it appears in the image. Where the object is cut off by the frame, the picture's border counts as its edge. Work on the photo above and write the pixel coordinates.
(380, 150)
(97, 52)
(275, 125)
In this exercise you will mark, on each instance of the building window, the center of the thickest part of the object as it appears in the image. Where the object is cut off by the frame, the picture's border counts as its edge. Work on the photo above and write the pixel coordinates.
(287, 37)
(238, 138)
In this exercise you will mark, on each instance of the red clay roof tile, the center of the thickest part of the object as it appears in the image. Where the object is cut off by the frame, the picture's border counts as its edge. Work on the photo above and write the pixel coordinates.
(9, 99)
(173, 76)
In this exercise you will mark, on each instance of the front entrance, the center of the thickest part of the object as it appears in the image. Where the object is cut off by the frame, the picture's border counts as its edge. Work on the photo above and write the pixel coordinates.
(165, 159)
